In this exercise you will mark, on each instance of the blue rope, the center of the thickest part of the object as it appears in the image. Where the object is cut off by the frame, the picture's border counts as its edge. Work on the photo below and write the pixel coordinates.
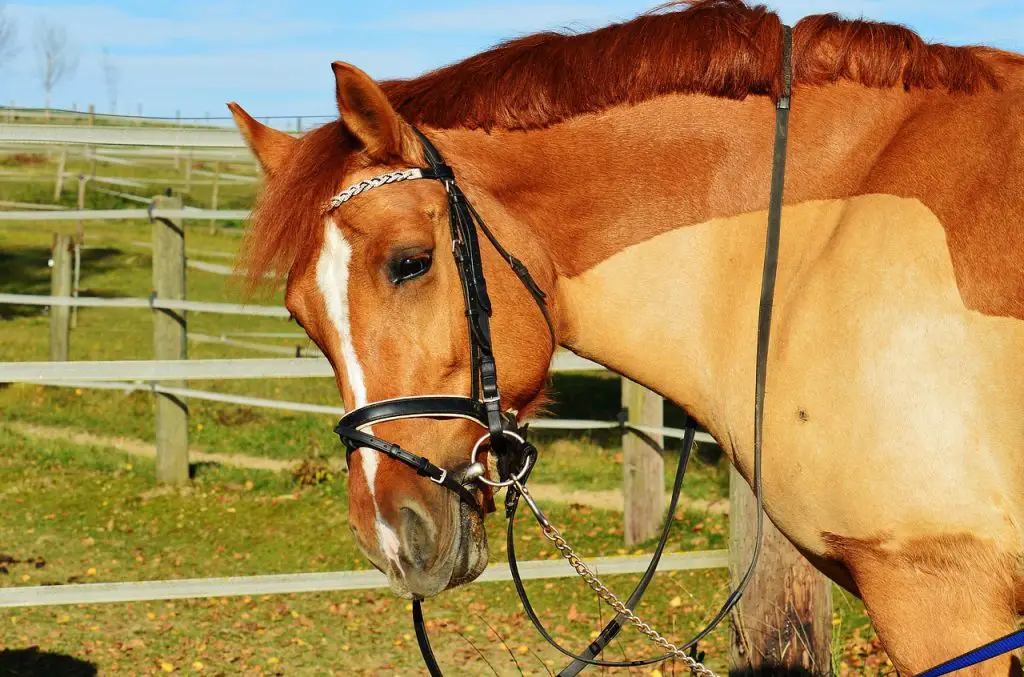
(981, 654)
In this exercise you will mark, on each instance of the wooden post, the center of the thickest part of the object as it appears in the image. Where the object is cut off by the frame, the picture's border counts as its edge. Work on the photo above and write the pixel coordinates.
(60, 285)
(643, 468)
(783, 624)
(170, 343)
(83, 180)
(61, 166)
(215, 198)
(92, 149)
(177, 150)
(188, 173)
(76, 279)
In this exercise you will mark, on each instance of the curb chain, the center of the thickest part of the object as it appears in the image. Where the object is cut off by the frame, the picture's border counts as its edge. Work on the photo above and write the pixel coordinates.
(696, 668)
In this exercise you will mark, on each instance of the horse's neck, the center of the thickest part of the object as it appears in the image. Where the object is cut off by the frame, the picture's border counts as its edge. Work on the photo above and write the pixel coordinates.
(640, 210)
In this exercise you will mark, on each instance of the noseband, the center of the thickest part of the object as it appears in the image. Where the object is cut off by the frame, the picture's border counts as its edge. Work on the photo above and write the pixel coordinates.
(483, 406)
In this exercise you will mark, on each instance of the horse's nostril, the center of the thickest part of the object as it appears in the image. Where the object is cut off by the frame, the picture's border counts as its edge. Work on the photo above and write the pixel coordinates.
(417, 538)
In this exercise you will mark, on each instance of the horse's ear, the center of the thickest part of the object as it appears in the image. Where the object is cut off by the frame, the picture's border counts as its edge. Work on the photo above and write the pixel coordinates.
(270, 146)
(367, 113)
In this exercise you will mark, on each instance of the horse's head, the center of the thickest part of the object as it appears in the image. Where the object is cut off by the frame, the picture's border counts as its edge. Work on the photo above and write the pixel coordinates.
(375, 286)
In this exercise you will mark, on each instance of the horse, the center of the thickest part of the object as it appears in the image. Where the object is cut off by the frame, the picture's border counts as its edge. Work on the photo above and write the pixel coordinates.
(628, 168)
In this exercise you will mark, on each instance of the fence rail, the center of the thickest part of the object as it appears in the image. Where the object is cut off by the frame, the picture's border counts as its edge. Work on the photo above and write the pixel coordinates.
(163, 370)
(150, 304)
(200, 370)
(127, 214)
(175, 137)
(302, 407)
(148, 591)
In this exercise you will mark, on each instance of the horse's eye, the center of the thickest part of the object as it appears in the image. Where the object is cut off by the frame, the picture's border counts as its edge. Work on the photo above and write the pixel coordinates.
(410, 267)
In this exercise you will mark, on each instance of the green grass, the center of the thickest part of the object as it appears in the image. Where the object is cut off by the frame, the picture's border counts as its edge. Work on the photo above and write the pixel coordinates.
(75, 513)
(87, 515)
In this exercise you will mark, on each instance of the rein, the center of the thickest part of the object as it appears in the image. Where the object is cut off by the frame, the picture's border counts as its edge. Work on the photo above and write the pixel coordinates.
(515, 457)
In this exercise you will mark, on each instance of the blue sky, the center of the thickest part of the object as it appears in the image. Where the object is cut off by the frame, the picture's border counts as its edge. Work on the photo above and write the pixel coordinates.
(273, 57)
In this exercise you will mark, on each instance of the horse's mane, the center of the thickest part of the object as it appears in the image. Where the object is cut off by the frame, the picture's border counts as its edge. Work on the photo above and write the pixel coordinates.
(722, 48)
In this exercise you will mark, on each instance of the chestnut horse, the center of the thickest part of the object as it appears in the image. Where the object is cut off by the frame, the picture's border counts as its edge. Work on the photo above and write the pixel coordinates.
(629, 169)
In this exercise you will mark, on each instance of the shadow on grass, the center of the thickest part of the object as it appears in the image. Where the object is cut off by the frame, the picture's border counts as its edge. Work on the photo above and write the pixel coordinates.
(202, 467)
(598, 397)
(32, 662)
(25, 270)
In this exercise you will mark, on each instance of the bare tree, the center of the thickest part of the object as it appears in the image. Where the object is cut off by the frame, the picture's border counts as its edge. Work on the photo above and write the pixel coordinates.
(8, 37)
(112, 78)
(56, 59)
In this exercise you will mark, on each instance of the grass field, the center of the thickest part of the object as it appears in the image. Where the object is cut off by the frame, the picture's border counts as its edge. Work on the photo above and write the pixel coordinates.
(86, 513)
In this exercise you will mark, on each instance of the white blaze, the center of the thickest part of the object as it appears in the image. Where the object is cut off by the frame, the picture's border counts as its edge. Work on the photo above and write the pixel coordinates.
(332, 280)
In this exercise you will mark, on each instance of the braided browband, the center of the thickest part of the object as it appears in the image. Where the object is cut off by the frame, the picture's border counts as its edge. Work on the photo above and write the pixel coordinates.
(374, 182)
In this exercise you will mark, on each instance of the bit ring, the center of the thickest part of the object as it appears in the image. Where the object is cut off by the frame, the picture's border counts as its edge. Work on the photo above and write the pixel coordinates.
(515, 478)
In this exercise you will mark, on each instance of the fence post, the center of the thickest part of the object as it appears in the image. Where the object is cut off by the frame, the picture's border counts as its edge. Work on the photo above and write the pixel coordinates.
(188, 173)
(58, 187)
(643, 468)
(83, 181)
(215, 198)
(783, 624)
(170, 343)
(177, 150)
(60, 285)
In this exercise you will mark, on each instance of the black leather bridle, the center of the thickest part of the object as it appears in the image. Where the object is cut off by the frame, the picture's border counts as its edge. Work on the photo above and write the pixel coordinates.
(515, 456)
(483, 406)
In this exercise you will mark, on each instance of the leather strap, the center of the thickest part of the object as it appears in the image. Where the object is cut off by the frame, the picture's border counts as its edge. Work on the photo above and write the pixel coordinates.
(431, 406)
(420, 464)
(424, 640)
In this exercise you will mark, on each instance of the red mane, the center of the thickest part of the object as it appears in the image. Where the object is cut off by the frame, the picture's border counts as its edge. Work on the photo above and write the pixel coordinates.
(720, 48)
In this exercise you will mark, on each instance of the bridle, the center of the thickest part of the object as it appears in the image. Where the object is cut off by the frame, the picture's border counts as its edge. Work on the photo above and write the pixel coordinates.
(515, 456)
(483, 406)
